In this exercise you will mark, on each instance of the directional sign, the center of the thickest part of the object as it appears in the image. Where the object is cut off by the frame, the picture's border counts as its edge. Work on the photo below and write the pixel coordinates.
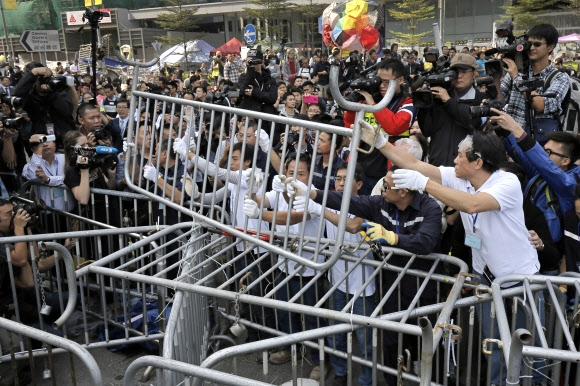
(40, 41)
(250, 34)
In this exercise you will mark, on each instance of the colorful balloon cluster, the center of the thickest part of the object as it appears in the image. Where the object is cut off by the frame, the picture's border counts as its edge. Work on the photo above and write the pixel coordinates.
(352, 25)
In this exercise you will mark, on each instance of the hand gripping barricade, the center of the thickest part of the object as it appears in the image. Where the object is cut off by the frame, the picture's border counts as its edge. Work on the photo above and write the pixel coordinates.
(244, 269)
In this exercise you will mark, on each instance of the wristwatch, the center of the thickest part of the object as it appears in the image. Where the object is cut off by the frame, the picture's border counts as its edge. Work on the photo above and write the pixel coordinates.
(47, 180)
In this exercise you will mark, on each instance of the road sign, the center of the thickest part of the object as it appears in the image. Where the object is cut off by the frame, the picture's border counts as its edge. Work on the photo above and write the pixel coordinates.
(250, 34)
(40, 41)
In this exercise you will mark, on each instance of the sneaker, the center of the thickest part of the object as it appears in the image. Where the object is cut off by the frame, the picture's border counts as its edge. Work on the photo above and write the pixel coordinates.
(315, 373)
(339, 380)
(280, 357)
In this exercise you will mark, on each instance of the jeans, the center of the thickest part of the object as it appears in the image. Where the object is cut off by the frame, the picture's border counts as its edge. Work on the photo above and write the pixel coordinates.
(291, 322)
(496, 360)
(362, 306)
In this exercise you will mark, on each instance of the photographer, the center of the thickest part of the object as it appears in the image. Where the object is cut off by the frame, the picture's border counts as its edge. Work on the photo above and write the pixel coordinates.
(449, 119)
(259, 92)
(538, 115)
(48, 167)
(50, 102)
(84, 172)
(395, 120)
(98, 128)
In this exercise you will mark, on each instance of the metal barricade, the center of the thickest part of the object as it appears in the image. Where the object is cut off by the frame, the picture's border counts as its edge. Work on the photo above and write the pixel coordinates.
(255, 277)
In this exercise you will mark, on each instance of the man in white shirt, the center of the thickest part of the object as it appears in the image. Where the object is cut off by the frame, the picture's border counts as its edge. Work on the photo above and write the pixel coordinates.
(490, 202)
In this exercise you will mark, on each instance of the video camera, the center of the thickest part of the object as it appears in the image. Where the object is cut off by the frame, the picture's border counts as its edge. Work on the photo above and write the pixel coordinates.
(44, 139)
(516, 50)
(13, 123)
(93, 16)
(438, 76)
(100, 156)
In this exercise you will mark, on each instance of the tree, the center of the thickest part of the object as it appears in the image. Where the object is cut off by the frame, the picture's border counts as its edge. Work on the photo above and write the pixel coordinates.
(180, 17)
(412, 11)
(574, 6)
(527, 13)
(310, 13)
(269, 11)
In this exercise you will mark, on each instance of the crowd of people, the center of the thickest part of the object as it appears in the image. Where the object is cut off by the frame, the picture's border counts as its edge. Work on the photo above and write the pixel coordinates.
(498, 188)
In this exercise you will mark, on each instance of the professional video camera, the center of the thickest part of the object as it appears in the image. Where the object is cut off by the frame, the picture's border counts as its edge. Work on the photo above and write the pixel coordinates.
(100, 156)
(56, 83)
(220, 96)
(33, 208)
(354, 63)
(11, 101)
(438, 76)
(516, 50)
(94, 16)
(13, 123)
(370, 83)
(255, 56)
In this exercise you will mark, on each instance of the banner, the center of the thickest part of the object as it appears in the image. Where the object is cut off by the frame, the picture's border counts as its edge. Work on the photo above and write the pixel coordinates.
(11, 5)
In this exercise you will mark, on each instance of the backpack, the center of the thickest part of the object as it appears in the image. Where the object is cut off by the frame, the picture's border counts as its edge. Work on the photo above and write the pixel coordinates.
(570, 118)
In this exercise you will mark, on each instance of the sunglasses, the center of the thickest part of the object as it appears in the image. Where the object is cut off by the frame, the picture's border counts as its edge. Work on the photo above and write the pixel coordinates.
(537, 44)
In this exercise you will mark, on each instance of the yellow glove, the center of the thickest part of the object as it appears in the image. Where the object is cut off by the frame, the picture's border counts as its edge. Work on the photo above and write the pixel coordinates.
(377, 233)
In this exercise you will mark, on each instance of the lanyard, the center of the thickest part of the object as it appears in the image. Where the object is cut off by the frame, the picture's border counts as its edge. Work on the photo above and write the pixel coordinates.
(474, 220)
(397, 220)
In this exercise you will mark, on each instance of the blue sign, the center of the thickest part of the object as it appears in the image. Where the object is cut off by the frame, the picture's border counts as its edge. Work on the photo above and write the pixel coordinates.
(250, 34)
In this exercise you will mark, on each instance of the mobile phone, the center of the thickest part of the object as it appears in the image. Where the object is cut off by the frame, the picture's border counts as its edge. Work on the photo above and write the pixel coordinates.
(311, 99)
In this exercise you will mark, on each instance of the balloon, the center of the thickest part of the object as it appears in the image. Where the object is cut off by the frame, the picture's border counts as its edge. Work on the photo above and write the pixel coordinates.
(352, 24)
(369, 37)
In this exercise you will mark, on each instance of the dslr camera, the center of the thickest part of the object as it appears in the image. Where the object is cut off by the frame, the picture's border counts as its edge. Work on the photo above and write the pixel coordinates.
(11, 101)
(33, 208)
(13, 123)
(56, 83)
(103, 134)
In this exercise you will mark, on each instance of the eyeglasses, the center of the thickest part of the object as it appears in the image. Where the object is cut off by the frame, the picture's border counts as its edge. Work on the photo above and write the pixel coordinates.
(550, 152)
(388, 187)
(9, 213)
(537, 44)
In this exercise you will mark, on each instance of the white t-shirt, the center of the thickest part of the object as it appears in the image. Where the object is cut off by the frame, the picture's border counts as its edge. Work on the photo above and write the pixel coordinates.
(505, 248)
(360, 274)
(237, 210)
(310, 229)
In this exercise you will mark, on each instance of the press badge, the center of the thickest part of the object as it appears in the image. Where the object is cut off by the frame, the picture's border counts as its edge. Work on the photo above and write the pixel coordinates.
(472, 241)
(50, 128)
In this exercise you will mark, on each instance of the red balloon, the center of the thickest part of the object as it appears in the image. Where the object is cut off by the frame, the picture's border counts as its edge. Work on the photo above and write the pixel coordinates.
(326, 34)
(369, 36)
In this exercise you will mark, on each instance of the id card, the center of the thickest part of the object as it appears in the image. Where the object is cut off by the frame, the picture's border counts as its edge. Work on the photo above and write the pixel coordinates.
(50, 128)
(472, 241)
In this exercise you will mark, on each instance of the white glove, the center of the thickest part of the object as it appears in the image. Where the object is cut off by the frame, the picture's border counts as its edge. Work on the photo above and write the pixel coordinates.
(180, 147)
(127, 145)
(409, 179)
(150, 173)
(299, 205)
(296, 188)
(372, 136)
(256, 175)
(278, 185)
(190, 187)
(251, 208)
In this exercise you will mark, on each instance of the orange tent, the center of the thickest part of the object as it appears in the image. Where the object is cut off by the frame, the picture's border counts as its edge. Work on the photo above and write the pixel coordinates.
(231, 47)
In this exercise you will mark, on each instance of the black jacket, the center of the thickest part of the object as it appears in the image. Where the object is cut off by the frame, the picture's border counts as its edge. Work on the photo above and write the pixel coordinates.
(447, 124)
(264, 92)
(56, 108)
